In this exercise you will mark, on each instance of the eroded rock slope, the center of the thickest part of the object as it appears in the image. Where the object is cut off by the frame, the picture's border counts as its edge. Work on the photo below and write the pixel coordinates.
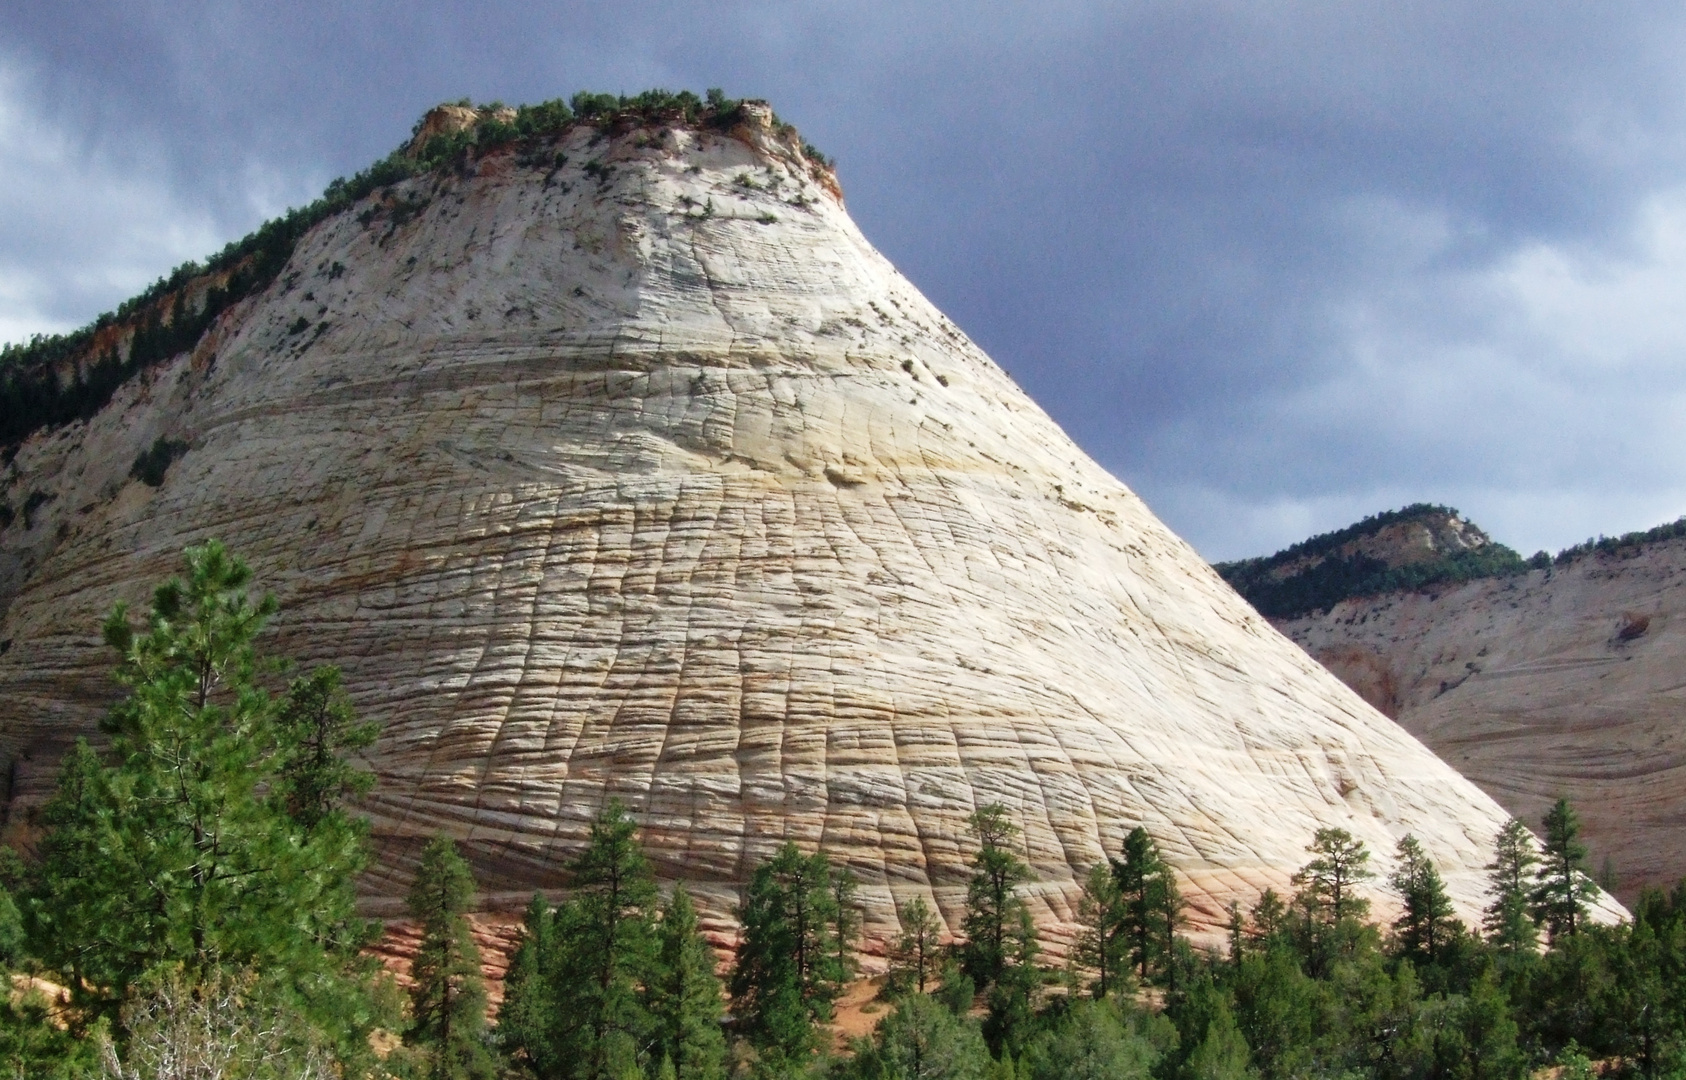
(625, 467)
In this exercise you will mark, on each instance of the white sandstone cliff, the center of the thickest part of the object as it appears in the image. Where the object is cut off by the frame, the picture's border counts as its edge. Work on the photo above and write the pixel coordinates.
(641, 474)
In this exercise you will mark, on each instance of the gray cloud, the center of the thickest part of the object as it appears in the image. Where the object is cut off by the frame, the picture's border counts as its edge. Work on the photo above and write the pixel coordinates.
(1277, 266)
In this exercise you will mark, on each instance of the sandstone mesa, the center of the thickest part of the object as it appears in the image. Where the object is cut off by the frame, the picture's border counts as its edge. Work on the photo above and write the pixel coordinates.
(636, 472)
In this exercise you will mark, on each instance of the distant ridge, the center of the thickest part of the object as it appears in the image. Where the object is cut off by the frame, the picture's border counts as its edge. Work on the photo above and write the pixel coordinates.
(1414, 547)
(1560, 682)
(1410, 548)
(1626, 544)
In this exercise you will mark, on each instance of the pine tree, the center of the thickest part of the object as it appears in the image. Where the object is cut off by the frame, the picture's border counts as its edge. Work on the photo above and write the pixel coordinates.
(1562, 887)
(1151, 901)
(1647, 996)
(606, 950)
(318, 730)
(1279, 1009)
(685, 996)
(1222, 1052)
(1427, 924)
(527, 1018)
(31, 1043)
(780, 986)
(992, 908)
(447, 995)
(916, 957)
(1267, 919)
(1131, 875)
(921, 1040)
(1508, 920)
(999, 953)
(1011, 999)
(1484, 1035)
(74, 914)
(1095, 1041)
(1327, 883)
(1102, 944)
(170, 852)
(1237, 930)
(843, 929)
(1332, 911)
(955, 989)
(1165, 910)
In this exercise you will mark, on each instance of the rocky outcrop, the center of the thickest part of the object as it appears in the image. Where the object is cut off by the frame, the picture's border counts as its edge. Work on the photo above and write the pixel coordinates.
(1560, 682)
(1415, 547)
(452, 120)
(1434, 534)
(623, 467)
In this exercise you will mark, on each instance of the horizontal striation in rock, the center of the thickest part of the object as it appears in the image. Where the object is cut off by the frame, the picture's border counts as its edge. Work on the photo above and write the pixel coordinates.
(655, 481)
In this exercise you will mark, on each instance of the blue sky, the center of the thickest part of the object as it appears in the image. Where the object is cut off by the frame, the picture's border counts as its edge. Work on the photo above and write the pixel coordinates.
(1276, 266)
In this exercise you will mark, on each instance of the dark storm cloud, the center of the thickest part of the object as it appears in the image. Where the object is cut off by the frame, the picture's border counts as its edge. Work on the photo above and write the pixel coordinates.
(1275, 265)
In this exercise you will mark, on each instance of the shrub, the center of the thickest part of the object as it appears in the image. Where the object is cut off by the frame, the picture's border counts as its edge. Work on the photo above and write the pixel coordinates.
(36, 500)
(152, 463)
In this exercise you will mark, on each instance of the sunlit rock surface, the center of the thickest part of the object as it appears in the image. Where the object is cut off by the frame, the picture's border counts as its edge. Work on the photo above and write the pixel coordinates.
(627, 468)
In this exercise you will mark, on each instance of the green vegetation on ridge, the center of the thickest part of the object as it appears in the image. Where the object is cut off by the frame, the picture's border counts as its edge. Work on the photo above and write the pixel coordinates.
(1331, 577)
(1328, 578)
(162, 322)
(1624, 544)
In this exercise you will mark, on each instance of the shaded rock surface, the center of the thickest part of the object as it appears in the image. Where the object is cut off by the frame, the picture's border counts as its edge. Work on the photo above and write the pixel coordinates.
(1559, 682)
(625, 467)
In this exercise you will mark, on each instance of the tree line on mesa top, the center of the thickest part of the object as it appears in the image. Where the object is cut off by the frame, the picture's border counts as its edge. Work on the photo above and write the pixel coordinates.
(188, 910)
(1331, 577)
(165, 320)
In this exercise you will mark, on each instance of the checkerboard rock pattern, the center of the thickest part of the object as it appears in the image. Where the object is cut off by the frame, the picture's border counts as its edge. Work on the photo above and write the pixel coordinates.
(631, 470)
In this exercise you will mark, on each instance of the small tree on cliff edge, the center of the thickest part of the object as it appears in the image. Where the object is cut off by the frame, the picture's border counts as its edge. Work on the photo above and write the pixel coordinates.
(448, 997)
